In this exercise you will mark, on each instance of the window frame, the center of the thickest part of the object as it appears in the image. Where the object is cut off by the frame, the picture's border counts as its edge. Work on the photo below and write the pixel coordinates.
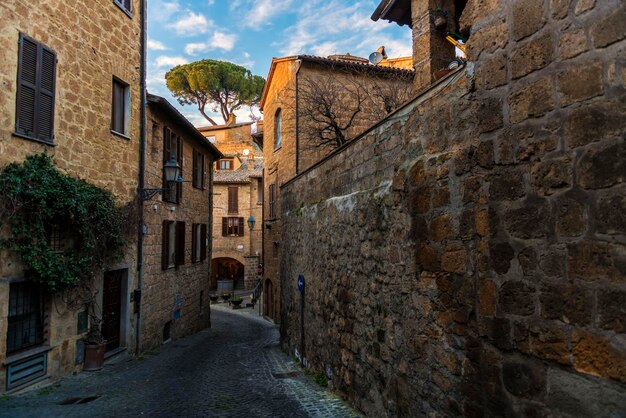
(120, 4)
(172, 244)
(168, 136)
(39, 314)
(278, 129)
(233, 226)
(230, 161)
(125, 132)
(39, 90)
(199, 168)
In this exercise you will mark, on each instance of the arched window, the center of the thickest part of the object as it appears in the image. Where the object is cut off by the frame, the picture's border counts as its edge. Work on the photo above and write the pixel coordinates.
(278, 129)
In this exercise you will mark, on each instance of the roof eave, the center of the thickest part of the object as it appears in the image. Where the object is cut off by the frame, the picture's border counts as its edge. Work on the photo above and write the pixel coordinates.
(171, 111)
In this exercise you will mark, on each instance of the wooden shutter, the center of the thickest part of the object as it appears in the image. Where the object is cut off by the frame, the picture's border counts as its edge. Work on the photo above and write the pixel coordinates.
(203, 239)
(224, 226)
(202, 170)
(36, 80)
(195, 169)
(180, 243)
(165, 245)
(233, 199)
(193, 242)
(179, 186)
(241, 227)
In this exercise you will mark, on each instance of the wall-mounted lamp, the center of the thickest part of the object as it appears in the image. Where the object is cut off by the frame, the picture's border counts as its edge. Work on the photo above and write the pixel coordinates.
(171, 172)
(251, 222)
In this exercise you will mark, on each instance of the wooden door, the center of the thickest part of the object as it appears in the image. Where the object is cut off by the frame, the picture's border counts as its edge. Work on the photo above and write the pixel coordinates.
(111, 308)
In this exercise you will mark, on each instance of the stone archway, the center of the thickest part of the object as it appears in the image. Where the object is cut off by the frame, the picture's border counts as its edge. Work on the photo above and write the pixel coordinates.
(227, 274)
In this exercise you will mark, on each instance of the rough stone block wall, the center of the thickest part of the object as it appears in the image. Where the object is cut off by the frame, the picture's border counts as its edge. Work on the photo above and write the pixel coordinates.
(101, 42)
(179, 295)
(467, 256)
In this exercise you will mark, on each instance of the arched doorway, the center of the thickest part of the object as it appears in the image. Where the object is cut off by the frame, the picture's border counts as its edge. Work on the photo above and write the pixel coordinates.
(268, 299)
(224, 270)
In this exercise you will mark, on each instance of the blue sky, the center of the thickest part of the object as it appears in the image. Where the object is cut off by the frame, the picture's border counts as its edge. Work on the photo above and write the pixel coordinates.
(251, 32)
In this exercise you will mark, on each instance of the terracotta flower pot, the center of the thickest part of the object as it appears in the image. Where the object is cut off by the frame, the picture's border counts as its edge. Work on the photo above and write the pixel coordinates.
(94, 356)
(236, 302)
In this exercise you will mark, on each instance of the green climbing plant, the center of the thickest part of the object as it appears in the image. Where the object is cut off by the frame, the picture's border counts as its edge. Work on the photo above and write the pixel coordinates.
(36, 201)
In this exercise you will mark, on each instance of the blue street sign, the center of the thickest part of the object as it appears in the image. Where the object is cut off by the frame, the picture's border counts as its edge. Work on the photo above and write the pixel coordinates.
(300, 283)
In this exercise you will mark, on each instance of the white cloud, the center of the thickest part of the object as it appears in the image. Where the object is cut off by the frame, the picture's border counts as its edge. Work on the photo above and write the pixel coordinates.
(339, 27)
(191, 24)
(162, 11)
(219, 40)
(260, 12)
(165, 61)
(156, 45)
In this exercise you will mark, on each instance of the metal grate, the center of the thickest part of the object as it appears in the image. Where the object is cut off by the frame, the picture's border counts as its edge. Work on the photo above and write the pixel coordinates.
(26, 370)
(25, 316)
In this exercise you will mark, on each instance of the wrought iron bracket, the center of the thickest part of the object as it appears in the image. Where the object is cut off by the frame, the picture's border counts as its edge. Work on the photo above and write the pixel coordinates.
(148, 194)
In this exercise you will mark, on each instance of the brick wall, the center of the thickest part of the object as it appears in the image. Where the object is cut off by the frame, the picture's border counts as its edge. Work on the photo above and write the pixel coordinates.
(466, 257)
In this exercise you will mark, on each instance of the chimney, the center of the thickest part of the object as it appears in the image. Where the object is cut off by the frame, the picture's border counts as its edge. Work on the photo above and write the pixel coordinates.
(431, 50)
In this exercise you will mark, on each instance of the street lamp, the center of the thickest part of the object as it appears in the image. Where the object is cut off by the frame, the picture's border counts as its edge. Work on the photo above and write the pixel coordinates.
(171, 172)
(251, 222)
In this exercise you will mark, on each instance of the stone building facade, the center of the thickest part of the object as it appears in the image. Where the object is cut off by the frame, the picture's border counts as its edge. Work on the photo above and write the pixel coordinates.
(177, 251)
(82, 58)
(286, 147)
(465, 256)
(237, 196)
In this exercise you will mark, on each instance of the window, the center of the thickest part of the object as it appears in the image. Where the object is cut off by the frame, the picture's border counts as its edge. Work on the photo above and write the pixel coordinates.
(198, 244)
(120, 107)
(198, 170)
(36, 80)
(25, 321)
(226, 164)
(172, 149)
(278, 129)
(259, 191)
(233, 199)
(272, 198)
(126, 5)
(173, 244)
(232, 227)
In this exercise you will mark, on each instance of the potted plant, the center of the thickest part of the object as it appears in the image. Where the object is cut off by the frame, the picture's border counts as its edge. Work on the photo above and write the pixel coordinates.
(225, 296)
(214, 298)
(236, 302)
(95, 346)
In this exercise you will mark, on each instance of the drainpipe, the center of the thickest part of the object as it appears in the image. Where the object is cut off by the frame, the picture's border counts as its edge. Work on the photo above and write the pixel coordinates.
(142, 168)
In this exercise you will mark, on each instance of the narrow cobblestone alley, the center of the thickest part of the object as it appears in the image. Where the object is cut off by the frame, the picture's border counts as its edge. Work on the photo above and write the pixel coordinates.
(234, 369)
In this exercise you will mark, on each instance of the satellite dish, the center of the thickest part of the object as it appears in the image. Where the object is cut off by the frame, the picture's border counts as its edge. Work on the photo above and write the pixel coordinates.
(376, 58)
(246, 152)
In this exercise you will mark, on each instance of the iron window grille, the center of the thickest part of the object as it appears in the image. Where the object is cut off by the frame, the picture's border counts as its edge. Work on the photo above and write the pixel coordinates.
(25, 320)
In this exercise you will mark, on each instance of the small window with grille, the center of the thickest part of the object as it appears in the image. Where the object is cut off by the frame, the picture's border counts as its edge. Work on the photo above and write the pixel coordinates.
(25, 320)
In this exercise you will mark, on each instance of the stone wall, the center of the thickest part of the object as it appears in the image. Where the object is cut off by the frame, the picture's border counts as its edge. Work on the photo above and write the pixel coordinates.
(95, 47)
(179, 296)
(466, 256)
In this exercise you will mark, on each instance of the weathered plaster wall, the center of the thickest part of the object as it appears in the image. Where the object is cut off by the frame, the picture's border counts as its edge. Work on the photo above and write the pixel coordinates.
(467, 256)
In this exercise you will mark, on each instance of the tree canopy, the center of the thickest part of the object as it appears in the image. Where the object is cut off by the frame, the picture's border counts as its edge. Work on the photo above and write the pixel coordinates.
(224, 86)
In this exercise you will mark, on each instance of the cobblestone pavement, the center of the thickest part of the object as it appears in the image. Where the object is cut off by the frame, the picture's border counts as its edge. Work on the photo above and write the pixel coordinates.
(230, 370)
